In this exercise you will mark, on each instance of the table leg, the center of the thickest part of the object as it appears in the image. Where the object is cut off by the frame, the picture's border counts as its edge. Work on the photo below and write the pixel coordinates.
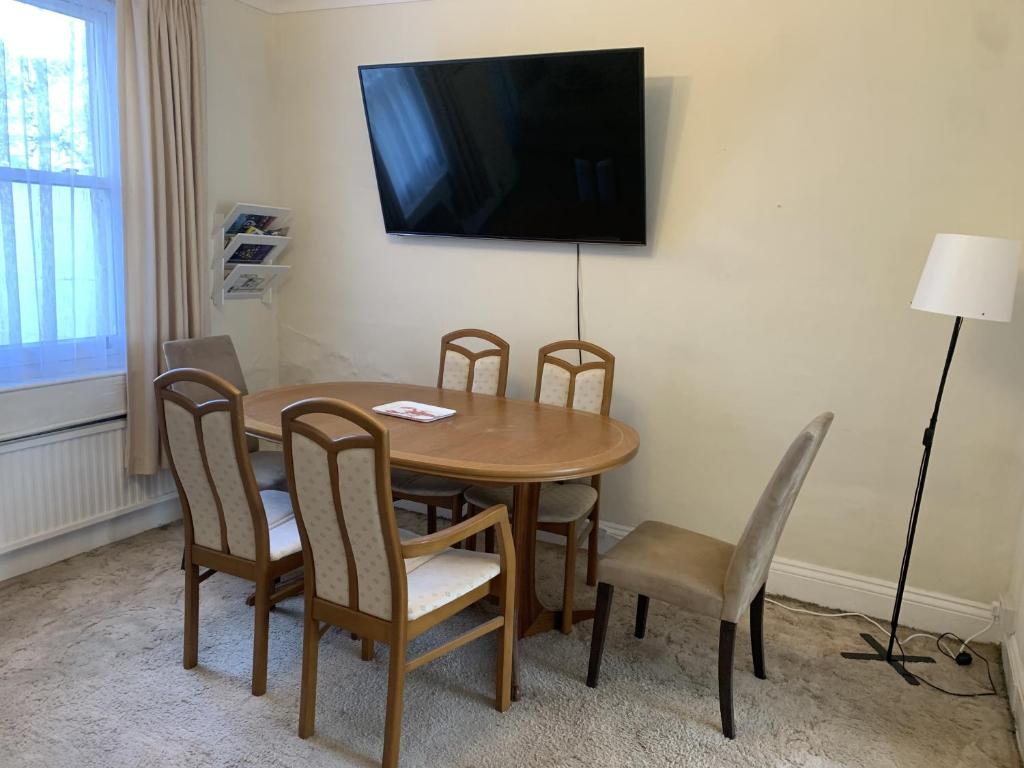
(525, 498)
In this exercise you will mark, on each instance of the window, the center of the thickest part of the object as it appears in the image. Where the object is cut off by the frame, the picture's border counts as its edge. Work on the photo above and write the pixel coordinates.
(61, 281)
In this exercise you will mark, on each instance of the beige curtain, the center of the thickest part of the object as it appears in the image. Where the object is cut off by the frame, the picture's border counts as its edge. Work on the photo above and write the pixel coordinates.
(163, 163)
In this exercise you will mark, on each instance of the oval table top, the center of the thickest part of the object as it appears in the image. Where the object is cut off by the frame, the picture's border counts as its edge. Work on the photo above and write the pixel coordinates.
(489, 439)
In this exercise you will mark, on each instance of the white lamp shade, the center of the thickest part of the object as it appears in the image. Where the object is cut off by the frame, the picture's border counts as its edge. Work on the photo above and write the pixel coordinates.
(969, 276)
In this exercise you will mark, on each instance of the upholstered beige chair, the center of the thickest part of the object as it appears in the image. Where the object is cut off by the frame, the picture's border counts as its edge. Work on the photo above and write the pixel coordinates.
(706, 575)
(230, 525)
(365, 575)
(569, 509)
(484, 371)
(217, 355)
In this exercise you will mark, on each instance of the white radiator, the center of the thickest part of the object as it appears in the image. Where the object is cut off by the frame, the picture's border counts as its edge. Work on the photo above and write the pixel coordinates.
(62, 481)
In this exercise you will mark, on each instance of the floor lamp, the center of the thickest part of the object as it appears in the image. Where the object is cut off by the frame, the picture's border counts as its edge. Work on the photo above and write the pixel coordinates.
(966, 276)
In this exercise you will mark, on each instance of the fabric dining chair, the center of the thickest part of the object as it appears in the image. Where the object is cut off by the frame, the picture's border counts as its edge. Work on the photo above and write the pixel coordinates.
(484, 371)
(570, 509)
(217, 355)
(705, 575)
(366, 576)
(230, 525)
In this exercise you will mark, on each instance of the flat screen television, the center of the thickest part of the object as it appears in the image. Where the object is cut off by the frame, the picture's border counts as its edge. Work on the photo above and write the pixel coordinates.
(539, 147)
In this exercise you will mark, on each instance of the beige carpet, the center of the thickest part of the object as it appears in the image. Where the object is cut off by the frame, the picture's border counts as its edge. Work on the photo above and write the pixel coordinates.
(91, 677)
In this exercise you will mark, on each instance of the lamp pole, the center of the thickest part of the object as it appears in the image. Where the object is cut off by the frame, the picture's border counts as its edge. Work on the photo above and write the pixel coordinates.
(929, 437)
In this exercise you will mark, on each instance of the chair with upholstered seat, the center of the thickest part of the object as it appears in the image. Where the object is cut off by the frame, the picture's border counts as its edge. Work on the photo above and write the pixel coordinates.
(230, 524)
(484, 371)
(706, 575)
(570, 509)
(217, 355)
(364, 576)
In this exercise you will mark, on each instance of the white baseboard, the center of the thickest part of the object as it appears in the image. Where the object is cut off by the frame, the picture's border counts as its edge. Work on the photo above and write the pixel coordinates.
(1013, 669)
(845, 591)
(87, 537)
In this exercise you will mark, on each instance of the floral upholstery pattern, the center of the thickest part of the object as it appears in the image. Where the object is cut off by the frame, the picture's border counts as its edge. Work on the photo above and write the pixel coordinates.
(554, 385)
(486, 374)
(588, 394)
(188, 465)
(357, 485)
(448, 576)
(455, 374)
(227, 479)
(320, 519)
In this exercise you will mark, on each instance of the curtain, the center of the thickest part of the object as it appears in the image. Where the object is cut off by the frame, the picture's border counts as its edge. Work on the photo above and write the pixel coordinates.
(61, 309)
(163, 159)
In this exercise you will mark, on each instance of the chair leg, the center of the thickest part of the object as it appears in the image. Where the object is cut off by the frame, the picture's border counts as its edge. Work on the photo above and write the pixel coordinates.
(592, 547)
(307, 694)
(261, 636)
(431, 519)
(726, 646)
(457, 518)
(190, 656)
(367, 651)
(569, 585)
(506, 648)
(642, 603)
(393, 719)
(605, 592)
(757, 634)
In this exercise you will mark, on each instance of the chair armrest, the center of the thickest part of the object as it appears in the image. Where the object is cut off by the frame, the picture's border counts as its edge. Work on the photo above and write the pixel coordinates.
(495, 516)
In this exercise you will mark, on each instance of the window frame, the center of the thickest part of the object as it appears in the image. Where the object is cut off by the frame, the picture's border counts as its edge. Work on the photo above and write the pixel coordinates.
(43, 363)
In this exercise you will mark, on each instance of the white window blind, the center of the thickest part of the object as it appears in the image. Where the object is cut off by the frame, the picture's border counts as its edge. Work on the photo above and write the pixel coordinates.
(61, 281)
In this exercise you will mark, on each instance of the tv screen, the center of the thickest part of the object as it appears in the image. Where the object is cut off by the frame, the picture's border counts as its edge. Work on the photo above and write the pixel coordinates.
(540, 147)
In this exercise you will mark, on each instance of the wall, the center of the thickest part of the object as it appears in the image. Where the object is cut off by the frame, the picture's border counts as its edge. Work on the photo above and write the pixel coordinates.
(243, 159)
(801, 155)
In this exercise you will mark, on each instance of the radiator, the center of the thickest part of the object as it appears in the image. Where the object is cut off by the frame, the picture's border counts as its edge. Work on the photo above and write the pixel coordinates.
(61, 481)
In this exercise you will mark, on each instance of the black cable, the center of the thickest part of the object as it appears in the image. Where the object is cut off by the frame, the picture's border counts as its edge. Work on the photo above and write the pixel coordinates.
(579, 321)
(944, 652)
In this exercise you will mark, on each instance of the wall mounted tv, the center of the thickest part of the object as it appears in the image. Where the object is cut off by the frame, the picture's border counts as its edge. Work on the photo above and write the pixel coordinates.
(539, 147)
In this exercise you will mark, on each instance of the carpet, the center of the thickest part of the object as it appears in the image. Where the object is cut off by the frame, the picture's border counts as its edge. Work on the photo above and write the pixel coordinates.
(91, 677)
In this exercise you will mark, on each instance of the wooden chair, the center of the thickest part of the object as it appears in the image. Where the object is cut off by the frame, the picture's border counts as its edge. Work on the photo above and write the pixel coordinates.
(484, 372)
(706, 575)
(570, 509)
(363, 577)
(217, 355)
(230, 525)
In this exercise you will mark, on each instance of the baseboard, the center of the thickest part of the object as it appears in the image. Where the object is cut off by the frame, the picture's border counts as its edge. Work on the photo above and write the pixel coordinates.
(87, 537)
(845, 591)
(1013, 670)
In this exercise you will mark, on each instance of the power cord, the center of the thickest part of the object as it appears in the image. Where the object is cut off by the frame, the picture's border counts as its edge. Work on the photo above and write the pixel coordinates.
(958, 657)
(579, 312)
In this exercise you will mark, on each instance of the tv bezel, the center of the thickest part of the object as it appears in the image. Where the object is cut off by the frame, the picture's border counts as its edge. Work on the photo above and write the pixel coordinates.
(557, 54)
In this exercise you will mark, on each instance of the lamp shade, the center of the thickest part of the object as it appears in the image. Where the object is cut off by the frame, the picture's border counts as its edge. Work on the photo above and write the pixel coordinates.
(969, 276)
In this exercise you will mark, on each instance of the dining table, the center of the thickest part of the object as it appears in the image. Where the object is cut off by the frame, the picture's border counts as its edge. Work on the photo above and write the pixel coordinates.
(489, 440)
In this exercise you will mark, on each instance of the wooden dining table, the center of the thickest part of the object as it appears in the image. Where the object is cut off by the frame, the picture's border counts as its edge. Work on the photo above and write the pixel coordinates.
(489, 440)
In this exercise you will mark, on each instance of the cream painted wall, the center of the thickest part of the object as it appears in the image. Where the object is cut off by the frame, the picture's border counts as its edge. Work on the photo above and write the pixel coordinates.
(243, 159)
(801, 155)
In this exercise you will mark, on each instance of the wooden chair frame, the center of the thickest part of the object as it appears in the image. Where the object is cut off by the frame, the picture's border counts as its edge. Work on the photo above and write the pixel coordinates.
(448, 344)
(261, 570)
(399, 630)
(605, 362)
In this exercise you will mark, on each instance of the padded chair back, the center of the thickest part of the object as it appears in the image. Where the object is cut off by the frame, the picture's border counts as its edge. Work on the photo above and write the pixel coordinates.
(748, 569)
(215, 354)
(205, 441)
(585, 386)
(341, 495)
(484, 372)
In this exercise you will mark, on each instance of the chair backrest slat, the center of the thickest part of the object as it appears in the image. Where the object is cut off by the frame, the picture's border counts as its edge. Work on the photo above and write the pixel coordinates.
(585, 386)
(748, 569)
(210, 462)
(341, 496)
(482, 372)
